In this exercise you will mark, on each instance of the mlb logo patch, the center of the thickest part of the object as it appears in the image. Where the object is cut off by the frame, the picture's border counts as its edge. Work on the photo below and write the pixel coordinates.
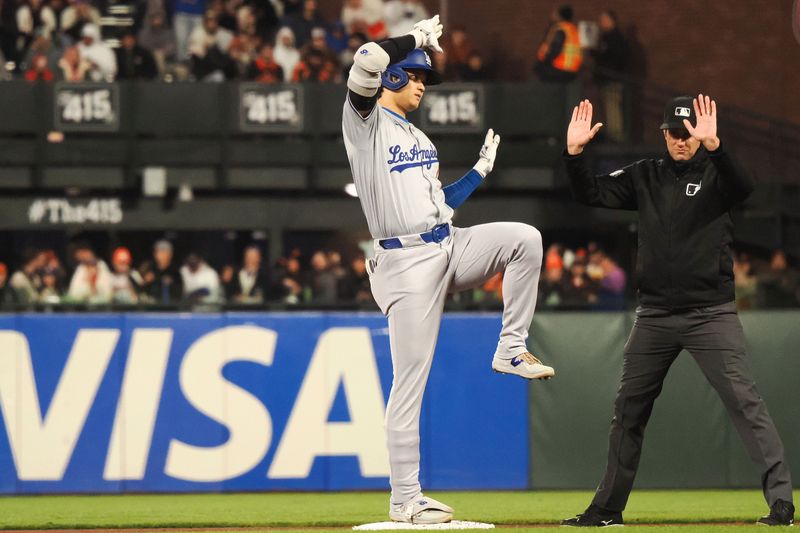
(692, 188)
(427, 59)
(683, 112)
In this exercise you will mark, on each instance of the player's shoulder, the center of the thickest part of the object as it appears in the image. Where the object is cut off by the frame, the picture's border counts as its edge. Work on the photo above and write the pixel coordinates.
(352, 113)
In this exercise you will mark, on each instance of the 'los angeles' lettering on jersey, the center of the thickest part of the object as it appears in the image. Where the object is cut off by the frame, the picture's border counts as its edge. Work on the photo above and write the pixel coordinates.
(414, 157)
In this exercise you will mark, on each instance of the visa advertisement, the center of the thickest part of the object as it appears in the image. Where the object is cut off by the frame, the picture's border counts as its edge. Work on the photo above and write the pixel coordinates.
(244, 402)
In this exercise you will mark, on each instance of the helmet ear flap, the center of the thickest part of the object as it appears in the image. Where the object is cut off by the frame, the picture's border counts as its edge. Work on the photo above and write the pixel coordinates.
(394, 78)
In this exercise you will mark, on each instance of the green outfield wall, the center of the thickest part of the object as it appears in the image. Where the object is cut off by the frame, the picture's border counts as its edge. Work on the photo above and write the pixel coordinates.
(689, 442)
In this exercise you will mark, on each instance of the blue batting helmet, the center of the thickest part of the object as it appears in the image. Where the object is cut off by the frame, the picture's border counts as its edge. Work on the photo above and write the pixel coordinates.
(395, 77)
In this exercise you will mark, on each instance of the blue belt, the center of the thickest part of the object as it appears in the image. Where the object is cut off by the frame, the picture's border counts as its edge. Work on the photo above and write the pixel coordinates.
(437, 234)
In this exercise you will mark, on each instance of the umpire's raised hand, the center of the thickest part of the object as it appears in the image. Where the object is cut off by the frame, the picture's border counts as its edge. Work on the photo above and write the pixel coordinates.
(580, 130)
(705, 131)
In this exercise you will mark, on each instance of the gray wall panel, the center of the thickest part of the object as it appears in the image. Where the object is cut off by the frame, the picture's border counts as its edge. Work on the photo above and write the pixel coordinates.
(267, 178)
(190, 109)
(20, 108)
(79, 151)
(17, 152)
(90, 177)
(689, 442)
(15, 177)
(178, 152)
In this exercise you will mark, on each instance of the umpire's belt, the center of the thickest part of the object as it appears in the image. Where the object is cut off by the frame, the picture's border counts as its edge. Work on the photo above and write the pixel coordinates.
(437, 234)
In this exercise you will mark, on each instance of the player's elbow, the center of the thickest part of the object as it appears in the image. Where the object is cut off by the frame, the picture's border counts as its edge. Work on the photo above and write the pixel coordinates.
(363, 82)
(580, 195)
(371, 58)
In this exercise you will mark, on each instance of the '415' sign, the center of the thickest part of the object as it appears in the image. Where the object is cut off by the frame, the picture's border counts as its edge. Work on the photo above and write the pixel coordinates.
(453, 109)
(270, 108)
(86, 107)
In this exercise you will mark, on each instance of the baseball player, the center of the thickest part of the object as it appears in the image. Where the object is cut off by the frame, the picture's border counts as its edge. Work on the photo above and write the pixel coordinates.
(420, 256)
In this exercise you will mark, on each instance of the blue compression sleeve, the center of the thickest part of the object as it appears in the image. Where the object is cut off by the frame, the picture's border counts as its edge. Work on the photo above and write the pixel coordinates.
(457, 192)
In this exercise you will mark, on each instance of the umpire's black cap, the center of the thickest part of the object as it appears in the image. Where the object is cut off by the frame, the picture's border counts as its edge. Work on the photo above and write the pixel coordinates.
(677, 109)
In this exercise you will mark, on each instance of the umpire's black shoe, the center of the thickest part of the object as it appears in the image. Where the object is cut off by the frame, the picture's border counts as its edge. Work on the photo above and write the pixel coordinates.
(595, 516)
(780, 514)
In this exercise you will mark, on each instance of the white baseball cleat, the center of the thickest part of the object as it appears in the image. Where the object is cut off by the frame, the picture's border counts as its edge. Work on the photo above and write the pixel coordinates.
(421, 510)
(524, 365)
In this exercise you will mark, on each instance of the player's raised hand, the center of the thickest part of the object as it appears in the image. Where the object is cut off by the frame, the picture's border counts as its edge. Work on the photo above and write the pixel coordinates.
(580, 130)
(488, 153)
(427, 33)
(705, 131)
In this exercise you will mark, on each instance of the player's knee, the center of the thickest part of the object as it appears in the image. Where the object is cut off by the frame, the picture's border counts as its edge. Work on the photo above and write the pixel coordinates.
(416, 360)
(530, 239)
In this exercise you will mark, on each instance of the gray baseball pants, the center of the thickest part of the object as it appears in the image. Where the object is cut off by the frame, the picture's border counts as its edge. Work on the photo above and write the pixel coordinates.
(714, 337)
(410, 286)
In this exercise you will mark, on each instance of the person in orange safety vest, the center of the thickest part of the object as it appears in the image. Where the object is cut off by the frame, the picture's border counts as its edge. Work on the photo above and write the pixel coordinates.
(560, 56)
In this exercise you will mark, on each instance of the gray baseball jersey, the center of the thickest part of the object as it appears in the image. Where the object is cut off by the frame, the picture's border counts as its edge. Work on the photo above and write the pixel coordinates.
(396, 172)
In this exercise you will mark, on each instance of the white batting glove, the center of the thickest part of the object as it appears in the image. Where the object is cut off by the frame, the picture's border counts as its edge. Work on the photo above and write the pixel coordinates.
(488, 153)
(427, 33)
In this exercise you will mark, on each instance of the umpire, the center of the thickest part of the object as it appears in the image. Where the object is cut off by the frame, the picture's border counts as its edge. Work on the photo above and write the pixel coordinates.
(684, 273)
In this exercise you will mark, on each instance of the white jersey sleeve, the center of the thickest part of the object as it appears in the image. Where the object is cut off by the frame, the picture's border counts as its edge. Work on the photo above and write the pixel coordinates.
(359, 130)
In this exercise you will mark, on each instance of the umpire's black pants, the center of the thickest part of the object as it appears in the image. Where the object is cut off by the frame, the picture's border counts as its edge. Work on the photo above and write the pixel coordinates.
(714, 337)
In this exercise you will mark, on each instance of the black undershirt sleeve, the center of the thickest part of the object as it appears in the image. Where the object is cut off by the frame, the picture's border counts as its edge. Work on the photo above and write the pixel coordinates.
(397, 48)
(363, 104)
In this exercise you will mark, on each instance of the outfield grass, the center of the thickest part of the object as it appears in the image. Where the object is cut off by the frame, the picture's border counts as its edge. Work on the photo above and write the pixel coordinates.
(346, 509)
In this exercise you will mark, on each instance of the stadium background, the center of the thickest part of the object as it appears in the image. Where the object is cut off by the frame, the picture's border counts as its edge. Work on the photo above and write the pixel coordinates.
(230, 183)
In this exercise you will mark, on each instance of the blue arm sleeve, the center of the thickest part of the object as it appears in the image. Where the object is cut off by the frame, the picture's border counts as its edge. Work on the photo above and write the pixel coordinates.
(457, 192)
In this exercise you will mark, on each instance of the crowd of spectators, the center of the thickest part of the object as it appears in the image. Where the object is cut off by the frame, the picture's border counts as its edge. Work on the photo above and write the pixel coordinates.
(268, 41)
(589, 278)
(581, 278)
(586, 277)
(162, 280)
(766, 282)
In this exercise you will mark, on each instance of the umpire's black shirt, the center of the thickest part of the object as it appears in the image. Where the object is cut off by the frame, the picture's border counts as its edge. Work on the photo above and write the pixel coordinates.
(685, 227)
